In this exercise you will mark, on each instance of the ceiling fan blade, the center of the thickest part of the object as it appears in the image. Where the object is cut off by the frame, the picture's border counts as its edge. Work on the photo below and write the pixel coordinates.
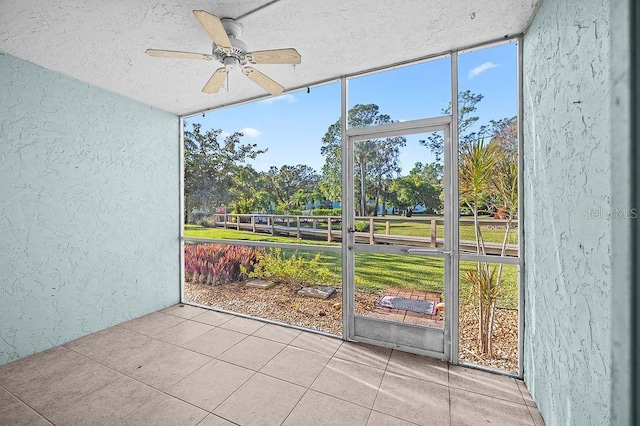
(213, 26)
(262, 80)
(215, 82)
(276, 56)
(177, 54)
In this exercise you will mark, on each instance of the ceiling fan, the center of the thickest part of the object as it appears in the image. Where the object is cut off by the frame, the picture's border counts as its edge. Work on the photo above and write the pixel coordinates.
(232, 53)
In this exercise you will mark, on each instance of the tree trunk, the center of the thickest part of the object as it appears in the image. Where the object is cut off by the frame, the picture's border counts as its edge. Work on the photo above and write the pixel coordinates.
(363, 189)
(378, 191)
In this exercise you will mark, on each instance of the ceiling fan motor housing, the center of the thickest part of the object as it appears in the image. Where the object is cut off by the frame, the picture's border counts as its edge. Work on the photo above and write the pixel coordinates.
(238, 53)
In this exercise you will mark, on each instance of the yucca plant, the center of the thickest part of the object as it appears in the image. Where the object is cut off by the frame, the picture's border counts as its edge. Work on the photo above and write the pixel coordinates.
(488, 178)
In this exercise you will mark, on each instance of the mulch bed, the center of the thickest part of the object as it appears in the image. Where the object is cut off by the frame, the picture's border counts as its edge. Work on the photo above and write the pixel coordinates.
(282, 303)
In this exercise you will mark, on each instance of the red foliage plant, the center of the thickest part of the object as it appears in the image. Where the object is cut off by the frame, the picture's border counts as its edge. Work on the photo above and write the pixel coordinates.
(219, 263)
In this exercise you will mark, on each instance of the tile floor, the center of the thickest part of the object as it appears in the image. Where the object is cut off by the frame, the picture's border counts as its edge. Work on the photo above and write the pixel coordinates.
(189, 366)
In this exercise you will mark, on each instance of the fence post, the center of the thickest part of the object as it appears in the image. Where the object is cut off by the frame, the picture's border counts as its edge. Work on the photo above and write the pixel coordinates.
(253, 223)
(238, 222)
(298, 227)
(288, 221)
(225, 221)
(313, 222)
(371, 231)
(387, 228)
(434, 233)
(329, 229)
(273, 226)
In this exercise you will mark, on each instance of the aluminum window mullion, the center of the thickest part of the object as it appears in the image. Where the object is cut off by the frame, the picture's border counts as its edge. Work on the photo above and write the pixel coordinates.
(181, 204)
(521, 231)
(508, 260)
(248, 243)
(348, 256)
(453, 207)
(425, 125)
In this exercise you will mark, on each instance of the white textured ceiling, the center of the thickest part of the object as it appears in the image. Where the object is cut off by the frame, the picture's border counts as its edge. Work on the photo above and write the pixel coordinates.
(103, 42)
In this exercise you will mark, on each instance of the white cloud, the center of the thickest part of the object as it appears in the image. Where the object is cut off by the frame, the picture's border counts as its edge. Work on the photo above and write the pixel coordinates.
(481, 68)
(224, 134)
(290, 99)
(251, 132)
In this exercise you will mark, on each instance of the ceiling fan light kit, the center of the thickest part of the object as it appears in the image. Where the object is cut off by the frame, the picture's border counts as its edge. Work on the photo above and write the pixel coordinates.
(232, 53)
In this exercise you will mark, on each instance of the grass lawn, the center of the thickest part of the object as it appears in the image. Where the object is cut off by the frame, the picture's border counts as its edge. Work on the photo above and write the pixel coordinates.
(197, 231)
(377, 271)
(423, 229)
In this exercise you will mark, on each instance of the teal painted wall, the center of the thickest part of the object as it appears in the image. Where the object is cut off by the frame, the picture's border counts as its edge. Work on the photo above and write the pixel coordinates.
(567, 211)
(89, 215)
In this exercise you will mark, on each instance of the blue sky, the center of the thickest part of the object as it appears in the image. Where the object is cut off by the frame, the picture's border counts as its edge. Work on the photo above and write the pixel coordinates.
(292, 126)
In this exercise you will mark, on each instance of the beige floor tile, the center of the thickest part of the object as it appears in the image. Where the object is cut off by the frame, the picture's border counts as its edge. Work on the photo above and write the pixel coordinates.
(277, 333)
(121, 349)
(40, 422)
(525, 394)
(485, 383)
(263, 400)
(536, 416)
(165, 410)
(181, 333)
(169, 367)
(317, 343)
(468, 408)
(243, 325)
(184, 311)
(381, 419)
(214, 342)
(419, 367)
(211, 384)
(213, 318)
(52, 379)
(14, 412)
(350, 381)
(252, 352)
(322, 410)
(413, 400)
(106, 405)
(373, 356)
(296, 365)
(152, 323)
(213, 420)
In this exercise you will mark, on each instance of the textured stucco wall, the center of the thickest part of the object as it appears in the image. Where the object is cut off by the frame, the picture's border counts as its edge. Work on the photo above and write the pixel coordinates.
(88, 209)
(622, 254)
(567, 203)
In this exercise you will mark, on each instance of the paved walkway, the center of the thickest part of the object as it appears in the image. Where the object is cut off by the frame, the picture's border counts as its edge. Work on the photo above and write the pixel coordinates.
(435, 320)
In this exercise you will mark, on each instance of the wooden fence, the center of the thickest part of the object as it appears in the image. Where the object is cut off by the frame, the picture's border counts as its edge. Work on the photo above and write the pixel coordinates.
(321, 227)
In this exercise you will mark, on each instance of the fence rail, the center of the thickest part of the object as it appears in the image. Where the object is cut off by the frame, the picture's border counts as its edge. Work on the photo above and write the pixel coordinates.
(321, 227)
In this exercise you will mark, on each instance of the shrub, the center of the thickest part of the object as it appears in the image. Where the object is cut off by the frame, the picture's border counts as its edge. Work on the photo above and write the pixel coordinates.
(336, 212)
(322, 212)
(195, 218)
(295, 270)
(295, 212)
(219, 263)
(361, 225)
(207, 222)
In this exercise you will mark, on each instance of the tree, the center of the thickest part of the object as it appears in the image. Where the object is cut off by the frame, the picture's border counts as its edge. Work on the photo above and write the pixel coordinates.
(423, 185)
(284, 182)
(211, 167)
(467, 102)
(376, 160)
(245, 190)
